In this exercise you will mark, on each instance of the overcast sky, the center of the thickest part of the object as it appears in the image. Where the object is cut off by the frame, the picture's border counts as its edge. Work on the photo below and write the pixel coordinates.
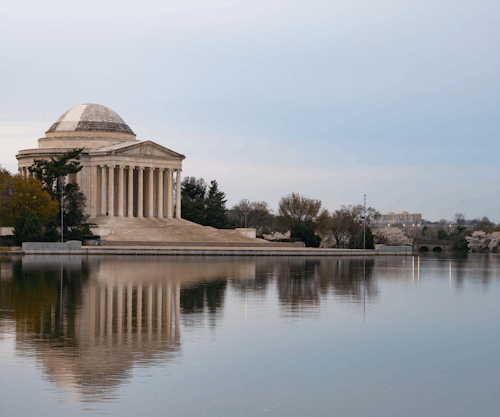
(398, 100)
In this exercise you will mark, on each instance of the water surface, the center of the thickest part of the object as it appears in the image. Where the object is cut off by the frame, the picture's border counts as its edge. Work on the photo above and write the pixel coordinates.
(237, 336)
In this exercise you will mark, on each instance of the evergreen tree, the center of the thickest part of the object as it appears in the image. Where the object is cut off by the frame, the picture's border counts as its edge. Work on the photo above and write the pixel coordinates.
(215, 204)
(32, 230)
(52, 173)
(306, 235)
(51, 234)
(49, 172)
(369, 239)
(27, 228)
(193, 194)
(19, 226)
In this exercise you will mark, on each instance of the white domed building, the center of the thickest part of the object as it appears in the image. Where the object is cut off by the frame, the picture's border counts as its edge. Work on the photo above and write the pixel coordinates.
(121, 176)
(128, 184)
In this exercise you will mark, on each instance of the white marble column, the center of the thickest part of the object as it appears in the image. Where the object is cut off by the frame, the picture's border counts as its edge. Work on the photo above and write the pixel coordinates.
(168, 316)
(109, 313)
(119, 311)
(159, 309)
(151, 188)
(160, 193)
(121, 199)
(129, 312)
(170, 193)
(111, 191)
(130, 197)
(103, 190)
(178, 195)
(177, 311)
(149, 310)
(93, 191)
(139, 311)
(140, 191)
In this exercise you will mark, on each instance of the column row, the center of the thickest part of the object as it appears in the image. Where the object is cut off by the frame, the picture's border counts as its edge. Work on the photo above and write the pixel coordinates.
(130, 192)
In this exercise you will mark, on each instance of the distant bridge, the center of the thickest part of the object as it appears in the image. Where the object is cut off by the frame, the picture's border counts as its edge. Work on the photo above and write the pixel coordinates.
(430, 245)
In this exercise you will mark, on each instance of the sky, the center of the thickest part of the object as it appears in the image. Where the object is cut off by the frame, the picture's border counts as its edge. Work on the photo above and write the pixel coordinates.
(398, 100)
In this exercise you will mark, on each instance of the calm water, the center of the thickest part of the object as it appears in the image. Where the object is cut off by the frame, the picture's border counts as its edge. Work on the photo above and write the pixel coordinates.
(137, 336)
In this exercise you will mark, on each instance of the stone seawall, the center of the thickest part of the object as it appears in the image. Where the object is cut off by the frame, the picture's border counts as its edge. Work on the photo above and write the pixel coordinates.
(52, 249)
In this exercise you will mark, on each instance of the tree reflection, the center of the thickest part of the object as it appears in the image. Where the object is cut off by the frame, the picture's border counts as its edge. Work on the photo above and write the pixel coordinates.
(303, 282)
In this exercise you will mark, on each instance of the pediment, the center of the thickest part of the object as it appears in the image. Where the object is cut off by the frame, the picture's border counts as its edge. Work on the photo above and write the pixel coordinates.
(149, 148)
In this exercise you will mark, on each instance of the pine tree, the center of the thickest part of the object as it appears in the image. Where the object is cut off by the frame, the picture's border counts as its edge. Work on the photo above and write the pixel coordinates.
(193, 193)
(32, 230)
(216, 207)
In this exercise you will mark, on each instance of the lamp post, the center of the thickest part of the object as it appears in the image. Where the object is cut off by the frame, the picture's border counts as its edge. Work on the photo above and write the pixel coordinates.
(245, 200)
(62, 210)
(364, 224)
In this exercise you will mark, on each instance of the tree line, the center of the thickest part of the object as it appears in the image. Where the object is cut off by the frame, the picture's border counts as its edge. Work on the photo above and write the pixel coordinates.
(303, 217)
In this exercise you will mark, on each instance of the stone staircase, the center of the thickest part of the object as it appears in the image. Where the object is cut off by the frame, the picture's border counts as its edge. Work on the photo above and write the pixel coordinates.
(116, 229)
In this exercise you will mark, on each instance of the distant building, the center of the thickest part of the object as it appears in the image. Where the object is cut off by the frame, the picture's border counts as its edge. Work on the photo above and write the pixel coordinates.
(401, 217)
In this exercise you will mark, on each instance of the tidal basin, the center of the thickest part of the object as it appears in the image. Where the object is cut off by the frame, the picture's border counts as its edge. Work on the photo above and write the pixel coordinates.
(237, 336)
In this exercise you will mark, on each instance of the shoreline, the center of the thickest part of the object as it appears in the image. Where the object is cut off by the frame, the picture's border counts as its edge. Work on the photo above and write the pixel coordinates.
(204, 251)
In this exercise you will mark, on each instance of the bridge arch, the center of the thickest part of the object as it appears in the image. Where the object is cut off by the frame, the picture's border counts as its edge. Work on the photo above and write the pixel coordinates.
(437, 249)
(423, 249)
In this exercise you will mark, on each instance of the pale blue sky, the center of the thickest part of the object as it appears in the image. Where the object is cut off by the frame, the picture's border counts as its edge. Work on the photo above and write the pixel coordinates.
(399, 100)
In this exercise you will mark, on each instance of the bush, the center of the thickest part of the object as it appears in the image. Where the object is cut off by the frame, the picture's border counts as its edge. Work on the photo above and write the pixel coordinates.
(369, 239)
(306, 235)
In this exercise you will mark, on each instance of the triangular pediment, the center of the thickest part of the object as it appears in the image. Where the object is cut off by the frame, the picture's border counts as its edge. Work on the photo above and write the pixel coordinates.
(149, 148)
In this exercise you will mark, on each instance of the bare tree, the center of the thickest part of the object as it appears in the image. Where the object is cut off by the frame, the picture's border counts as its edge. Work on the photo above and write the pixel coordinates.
(295, 210)
(258, 215)
(458, 217)
(345, 225)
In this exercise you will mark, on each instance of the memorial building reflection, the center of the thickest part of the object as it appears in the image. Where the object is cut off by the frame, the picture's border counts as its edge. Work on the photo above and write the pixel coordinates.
(107, 315)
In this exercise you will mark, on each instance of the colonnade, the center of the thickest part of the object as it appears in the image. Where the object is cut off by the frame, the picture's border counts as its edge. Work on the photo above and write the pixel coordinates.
(24, 172)
(136, 191)
(153, 309)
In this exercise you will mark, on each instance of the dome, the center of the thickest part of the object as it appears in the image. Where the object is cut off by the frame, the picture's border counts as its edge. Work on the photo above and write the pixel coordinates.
(90, 118)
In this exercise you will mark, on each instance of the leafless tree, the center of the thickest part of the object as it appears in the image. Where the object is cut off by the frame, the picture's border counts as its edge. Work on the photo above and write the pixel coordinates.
(295, 210)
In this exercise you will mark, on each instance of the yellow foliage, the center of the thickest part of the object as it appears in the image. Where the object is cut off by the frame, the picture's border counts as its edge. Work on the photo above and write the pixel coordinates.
(29, 194)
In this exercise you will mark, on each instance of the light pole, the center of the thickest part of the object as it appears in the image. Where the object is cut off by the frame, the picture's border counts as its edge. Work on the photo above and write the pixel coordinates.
(245, 200)
(364, 224)
(62, 209)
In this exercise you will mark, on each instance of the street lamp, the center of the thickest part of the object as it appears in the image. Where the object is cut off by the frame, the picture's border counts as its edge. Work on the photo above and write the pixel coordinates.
(364, 224)
(245, 200)
(62, 208)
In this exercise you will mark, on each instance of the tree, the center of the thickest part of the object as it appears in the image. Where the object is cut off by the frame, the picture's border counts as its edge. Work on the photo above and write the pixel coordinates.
(369, 239)
(51, 234)
(27, 228)
(459, 218)
(346, 224)
(306, 235)
(295, 210)
(258, 215)
(50, 172)
(18, 193)
(202, 206)
(390, 236)
(6, 195)
(193, 200)
(484, 224)
(215, 206)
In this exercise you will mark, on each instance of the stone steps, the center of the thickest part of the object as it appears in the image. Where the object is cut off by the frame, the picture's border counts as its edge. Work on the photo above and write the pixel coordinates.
(116, 229)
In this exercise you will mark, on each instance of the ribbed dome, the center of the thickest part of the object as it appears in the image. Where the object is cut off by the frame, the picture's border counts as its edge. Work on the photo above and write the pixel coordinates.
(90, 118)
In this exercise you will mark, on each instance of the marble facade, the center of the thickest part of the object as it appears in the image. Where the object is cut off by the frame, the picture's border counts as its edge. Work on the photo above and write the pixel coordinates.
(121, 176)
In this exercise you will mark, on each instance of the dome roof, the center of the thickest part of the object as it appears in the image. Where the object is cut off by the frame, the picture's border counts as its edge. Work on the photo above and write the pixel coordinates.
(90, 118)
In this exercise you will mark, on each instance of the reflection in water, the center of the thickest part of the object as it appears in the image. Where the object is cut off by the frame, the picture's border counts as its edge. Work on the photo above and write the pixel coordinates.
(89, 320)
